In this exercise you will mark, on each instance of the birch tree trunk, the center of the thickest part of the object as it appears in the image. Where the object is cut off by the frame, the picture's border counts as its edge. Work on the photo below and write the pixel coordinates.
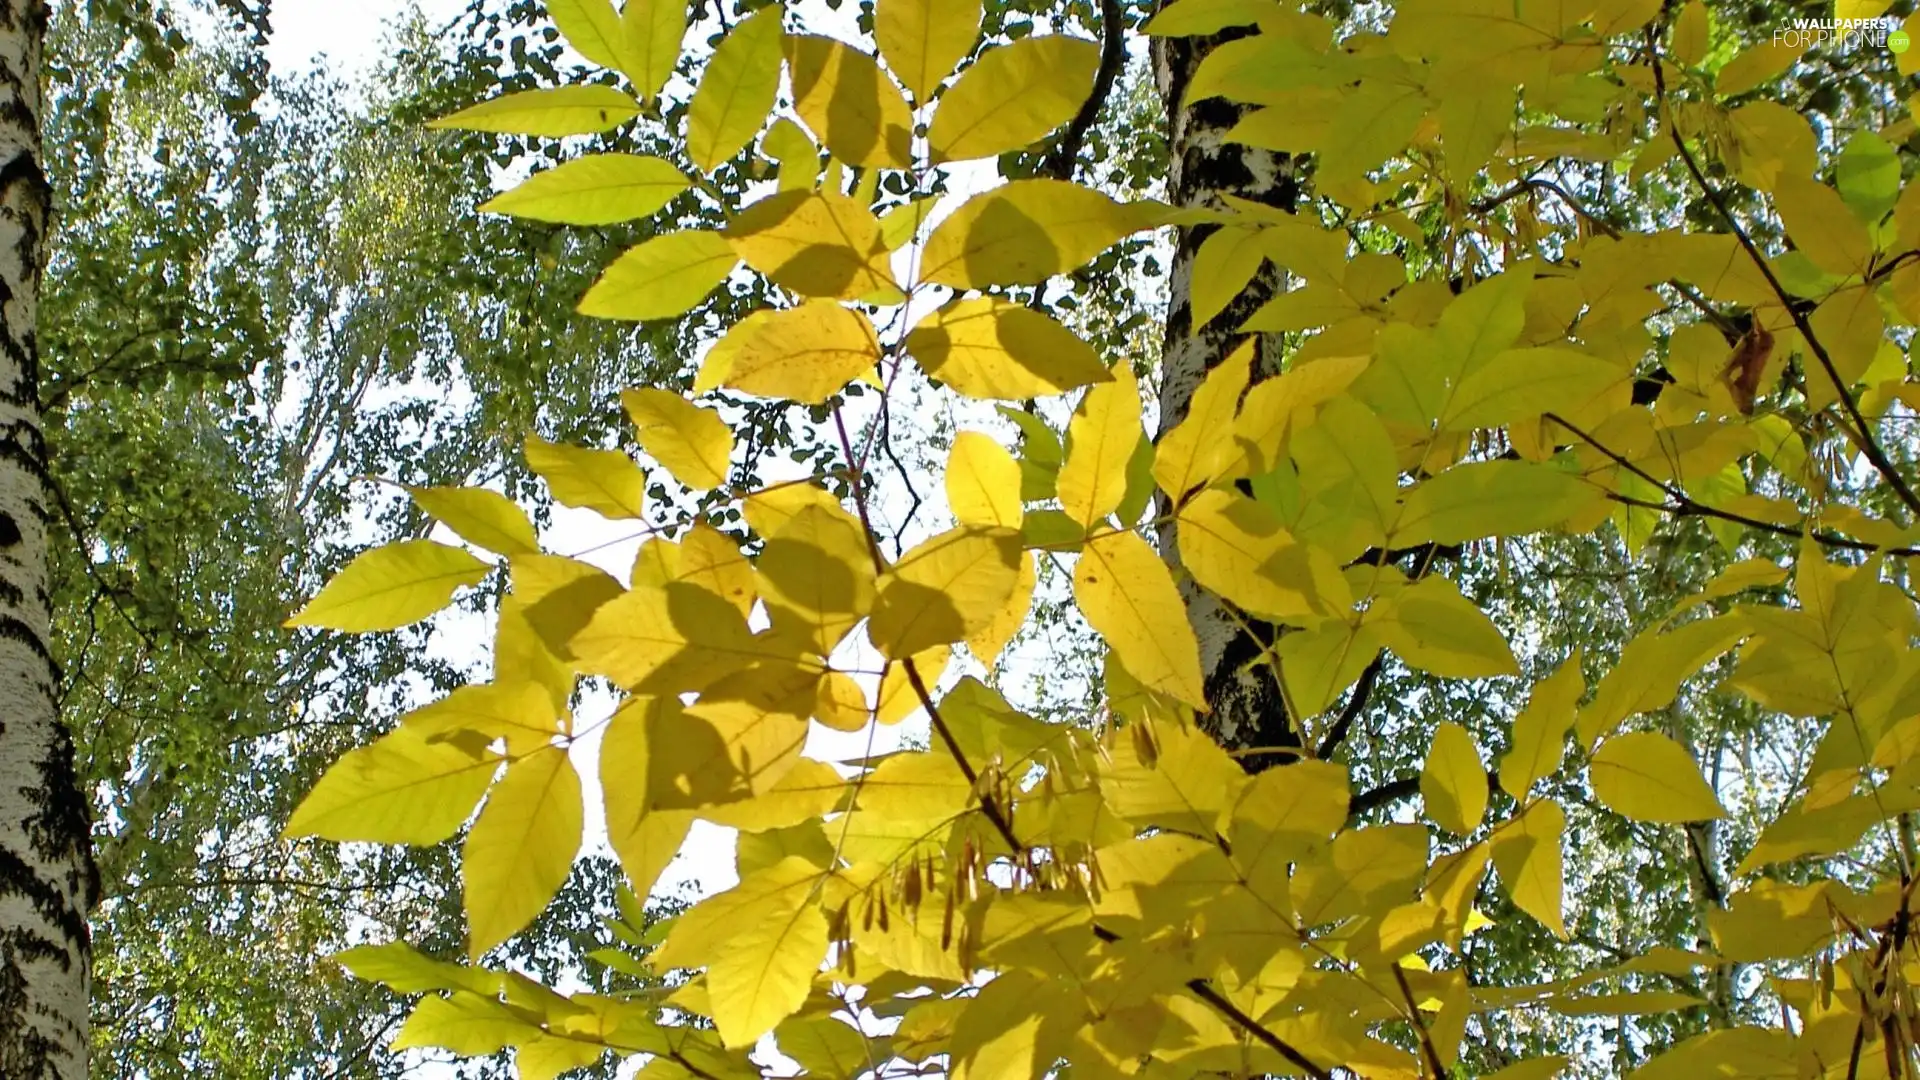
(47, 879)
(1243, 692)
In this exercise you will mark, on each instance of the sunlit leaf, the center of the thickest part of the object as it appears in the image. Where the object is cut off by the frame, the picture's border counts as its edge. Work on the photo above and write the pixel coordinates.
(391, 586)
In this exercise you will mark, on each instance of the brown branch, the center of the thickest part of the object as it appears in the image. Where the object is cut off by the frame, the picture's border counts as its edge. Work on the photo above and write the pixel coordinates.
(1356, 702)
(1431, 1051)
(1065, 154)
(1859, 429)
(1684, 505)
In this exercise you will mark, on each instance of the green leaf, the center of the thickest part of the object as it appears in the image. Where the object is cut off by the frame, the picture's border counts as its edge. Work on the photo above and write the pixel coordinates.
(466, 1024)
(1013, 96)
(520, 849)
(1648, 777)
(481, 517)
(404, 788)
(599, 189)
(391, 586)
(1433, 628)
(1867, 172)
(1481, 499)
(662, 277)
(1540, 731)
(736, 92)
(552, 113)
(403, 969)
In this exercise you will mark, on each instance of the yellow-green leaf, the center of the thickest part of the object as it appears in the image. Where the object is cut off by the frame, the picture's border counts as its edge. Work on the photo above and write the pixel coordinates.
(1454, 782)
(854, 108)
(1821, 226)
(804, 354)
(690, 442)
(662, 277)
(599, 189)
(1481, 499)
(923, 40)
(604, 481)
(551, 113)
(645, 839)
(1649, 777)
(1129, 598)
(817, 243)
(773, 949)
(1101, 440)
(983, 482)
(944, 589)
(651, 45)
(404, 788)
(817, 573)
(1540, 1068)
(736, 91)
(990, 348)
(1540, 731)
(1225, 263)
(1526, 851)
(1433, 628)
(1520, 384)
(481, 517)
(1013, 96)
(520, 849)
(1651, 668)
(1237, 548)
(1026, 232)
(464, 1023)
(391, 586)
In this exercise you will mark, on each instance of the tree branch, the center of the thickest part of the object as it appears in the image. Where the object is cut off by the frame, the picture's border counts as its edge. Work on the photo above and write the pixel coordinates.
(1859, 430)
(1065, 154)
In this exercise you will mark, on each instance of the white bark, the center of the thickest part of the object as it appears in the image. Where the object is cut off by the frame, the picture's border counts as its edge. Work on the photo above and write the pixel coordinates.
(1245, 702)
(47, 881)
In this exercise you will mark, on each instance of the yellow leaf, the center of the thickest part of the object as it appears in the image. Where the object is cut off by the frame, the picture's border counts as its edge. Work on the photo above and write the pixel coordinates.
(599, 189)
(644, 839)
(560, 595)
(604, 481)
(553, 113)
(923, 40)
(1364, 871)
(1631, 1003)
(404, 788)
(1236, 548)
(1526, 851)
(1649, 777)
(1454, 782)
(789, 144)
(520, 849)
(1102, 437)
(481, 517)
(592, 27)
(850, 103)
(944, 589)
(1821, 226)
(1129, 598)
(764, 974)
(804, 354)
(652, 31)
(1225, 263)
(709, 559)
(708, 928)
(665, 640)
(1433, 628)
(1540, 1068)
(817, 572)
(718, 752)
(817, 243)
(1013, 96)
(691, 442)
(991, 348)
(662, 277)
(808, 790)
(391, 586)
(1749, 1053)
(1691, 33)
(902, 223)
(1319, 663)
(987, 642)
(1025, 232)
(1201, 444)
(520, 656)
(768, 511)
(736, 91)
(1188, 783)
(983, 482)
(522, 713)
(1540, 731)
(1650, 671)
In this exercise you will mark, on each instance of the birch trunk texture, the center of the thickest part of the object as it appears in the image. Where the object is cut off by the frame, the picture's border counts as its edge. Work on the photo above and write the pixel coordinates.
(47, 879)
(1243, 693)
